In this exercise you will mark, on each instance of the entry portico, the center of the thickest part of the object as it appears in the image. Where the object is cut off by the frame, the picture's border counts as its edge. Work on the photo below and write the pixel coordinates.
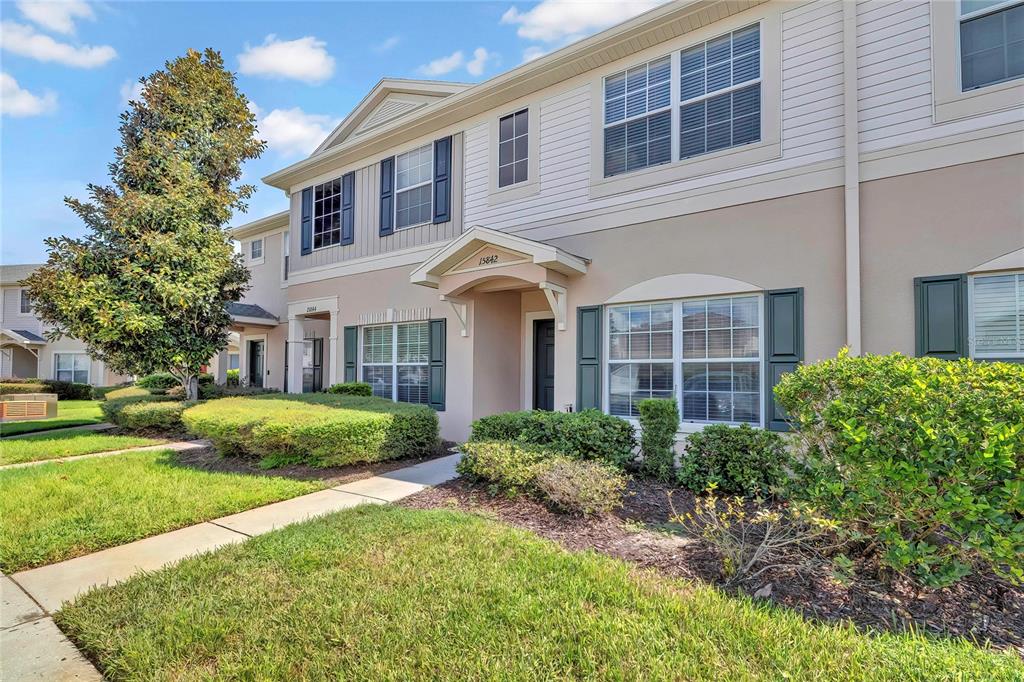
(304, 314)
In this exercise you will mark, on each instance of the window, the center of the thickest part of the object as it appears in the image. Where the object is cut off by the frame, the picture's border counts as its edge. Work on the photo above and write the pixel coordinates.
(256, 249)
(414, 175)
(706, 353)
(721, 93)
(395, 358)
(513, 148)
(638, 117)
(26, 303)
(233, 361)
(72, 367)
(327, 214)
(991, 42)
(997, 316)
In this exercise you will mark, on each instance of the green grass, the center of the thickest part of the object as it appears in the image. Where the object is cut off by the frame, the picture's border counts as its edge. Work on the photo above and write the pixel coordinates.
(57, 511)
(68, 444)
(69, 413)
(395, 594)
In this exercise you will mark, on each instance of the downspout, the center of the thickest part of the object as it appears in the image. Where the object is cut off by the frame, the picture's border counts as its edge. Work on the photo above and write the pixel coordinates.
(851, 177)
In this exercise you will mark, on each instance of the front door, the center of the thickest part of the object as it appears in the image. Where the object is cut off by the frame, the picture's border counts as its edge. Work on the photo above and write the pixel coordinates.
(312, 365)
(544, 365)
(256, 364)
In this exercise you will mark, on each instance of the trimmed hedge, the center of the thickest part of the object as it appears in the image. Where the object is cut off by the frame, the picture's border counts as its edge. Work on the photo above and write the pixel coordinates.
(659, 421)
(130, 411)
(920, 460)
(101, 392)
(589, 434)
(163, 381)
(736, 460)
(351, 388)
(8, 388)
(65, 390)
(316, 429)
(213, 391)
(128, 392)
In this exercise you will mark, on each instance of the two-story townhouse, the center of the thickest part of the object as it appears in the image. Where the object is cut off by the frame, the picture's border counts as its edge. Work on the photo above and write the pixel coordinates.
(686, 205)
(26, 353)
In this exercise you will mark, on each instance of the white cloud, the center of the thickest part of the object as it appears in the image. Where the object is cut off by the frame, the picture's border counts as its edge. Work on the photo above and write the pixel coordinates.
(553, 21)
(303, 59)
(388, 44)
(478, 63)
(291, 132)
(17, 102)
(130, 90)
(56, 15)
(25, 41)
(533, 52)
(443, 65)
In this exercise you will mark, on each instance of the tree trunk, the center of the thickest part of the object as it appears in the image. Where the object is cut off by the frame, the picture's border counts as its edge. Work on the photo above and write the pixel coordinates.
(192, 387)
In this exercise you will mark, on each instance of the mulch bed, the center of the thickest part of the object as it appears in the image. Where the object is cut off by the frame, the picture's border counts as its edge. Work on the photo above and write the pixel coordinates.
(982, 608)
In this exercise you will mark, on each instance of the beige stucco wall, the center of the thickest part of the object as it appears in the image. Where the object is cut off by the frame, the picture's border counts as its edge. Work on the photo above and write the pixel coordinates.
(938, 222)
(496, 352)
(275, 338)
(265, 283)
(99, 375)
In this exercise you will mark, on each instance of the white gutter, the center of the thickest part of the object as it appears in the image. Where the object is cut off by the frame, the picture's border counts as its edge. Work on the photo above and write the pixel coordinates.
(851, 175)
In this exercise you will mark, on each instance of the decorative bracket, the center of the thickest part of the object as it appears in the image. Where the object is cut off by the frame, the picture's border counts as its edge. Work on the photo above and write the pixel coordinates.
(461, 309)
(556, 300)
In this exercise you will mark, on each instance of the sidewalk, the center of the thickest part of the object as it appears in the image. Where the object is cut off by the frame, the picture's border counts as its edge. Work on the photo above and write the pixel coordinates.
(177, 446)
(33, 647)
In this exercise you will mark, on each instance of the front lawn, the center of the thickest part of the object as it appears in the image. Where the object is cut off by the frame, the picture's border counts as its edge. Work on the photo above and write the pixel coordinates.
(69, 413)
(57, 511)
(67, 444)
(391, 593)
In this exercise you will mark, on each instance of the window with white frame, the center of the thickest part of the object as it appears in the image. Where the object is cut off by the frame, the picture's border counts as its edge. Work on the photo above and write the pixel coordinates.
(991, 42)
(25, 303)
(71, 367)
(395, 360)
(327, 214)
(997, 316)
(513, 148)
(256, 249)
(638, 117)
(705, 352)
(414, 176)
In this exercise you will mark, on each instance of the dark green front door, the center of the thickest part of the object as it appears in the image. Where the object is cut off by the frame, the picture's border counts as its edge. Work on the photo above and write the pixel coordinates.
(544, 365)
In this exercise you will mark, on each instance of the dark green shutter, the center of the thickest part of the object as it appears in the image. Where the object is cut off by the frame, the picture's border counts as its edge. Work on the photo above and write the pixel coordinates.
(351, 351)
(436, 373)
(588, 357)
(784, 346)
(307, 220)
(387, 196)
(348, 207)
(442, 180)
(940, 316)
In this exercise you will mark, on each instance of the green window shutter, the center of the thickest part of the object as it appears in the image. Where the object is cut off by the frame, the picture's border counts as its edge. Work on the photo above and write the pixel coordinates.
(940, 316)
(783, 345)
(588, 357)
(351, 350)
(436, 369)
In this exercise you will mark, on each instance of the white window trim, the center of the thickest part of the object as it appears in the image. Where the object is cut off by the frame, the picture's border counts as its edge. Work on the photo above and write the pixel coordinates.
(531, 186)
(88, 365)
(313, 216)
(21, 294)
(394, 364)
(429, 181)
(689, 426)
(972, 353)
(257, 260)
(673, 85)
(526, 397)
(768, 16)
(949, 101)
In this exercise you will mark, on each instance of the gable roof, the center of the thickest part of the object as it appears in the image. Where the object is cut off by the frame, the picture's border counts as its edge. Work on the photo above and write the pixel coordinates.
(389, 99)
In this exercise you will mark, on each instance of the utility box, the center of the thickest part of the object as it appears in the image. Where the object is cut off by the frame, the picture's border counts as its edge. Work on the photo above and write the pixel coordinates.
(20, 406)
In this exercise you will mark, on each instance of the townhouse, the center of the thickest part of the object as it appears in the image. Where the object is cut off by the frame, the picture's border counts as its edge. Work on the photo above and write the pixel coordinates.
(685, 205)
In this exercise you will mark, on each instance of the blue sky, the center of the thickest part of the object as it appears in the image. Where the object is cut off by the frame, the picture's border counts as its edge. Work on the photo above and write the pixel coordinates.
(68, 67)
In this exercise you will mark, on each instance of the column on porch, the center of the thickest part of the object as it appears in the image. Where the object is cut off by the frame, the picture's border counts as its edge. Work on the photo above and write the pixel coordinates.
(296, 336)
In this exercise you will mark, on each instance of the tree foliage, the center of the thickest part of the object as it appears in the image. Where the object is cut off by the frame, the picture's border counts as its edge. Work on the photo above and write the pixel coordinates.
(147, 288)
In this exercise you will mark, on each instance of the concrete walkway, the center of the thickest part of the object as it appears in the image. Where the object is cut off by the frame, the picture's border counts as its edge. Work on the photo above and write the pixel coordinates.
(33, 647)
(102, 426)
(177, 446)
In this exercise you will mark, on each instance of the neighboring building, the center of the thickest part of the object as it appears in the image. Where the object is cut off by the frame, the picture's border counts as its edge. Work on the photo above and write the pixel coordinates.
(684, 205)
(24, 351)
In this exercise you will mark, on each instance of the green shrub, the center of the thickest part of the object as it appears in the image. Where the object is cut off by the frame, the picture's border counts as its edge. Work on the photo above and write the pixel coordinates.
(113, 408)
(233, 376)
(318, 429)
(10, 388)
(164, 415)
(589, 434)
(128, 392)
(213, 391)
(68, 390)
(508, 467)
(100, 392)
(580, 487)
(659, 421)
(351, 388)
(159, 380)
(922, 458)
(736, 460)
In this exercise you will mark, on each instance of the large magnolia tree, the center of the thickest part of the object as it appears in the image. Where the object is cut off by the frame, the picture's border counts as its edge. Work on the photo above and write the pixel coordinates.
(147, 288)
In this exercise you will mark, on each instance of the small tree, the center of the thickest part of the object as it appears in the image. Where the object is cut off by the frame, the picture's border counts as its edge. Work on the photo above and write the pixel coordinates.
(147, 288)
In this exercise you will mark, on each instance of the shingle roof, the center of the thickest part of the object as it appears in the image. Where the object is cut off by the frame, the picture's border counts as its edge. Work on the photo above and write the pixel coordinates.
(30, 336)
(12, 274)
(249, 310)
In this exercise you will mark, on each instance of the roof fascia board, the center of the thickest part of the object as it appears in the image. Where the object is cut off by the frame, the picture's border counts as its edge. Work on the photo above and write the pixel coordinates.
(270, 222)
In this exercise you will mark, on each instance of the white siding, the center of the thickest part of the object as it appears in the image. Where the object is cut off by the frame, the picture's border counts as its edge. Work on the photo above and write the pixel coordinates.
(12, 317)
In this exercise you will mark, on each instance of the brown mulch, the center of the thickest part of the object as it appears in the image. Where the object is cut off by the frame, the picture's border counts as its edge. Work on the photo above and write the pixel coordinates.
(981, 608)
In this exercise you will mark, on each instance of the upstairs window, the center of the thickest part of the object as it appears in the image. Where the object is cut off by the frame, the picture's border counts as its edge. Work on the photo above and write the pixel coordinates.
(997, 318)
(26, 303)
(256, 249)
(638, 117)
(414, 176)
(991, 42)
(327, 214)
(513, 148)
